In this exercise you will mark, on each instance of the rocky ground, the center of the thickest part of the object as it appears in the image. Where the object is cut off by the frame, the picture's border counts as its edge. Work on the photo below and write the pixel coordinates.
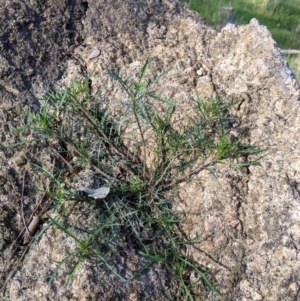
(249, 221)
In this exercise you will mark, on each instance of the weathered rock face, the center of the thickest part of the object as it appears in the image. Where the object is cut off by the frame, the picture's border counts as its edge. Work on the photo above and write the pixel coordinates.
(249, 222)
(32, 38)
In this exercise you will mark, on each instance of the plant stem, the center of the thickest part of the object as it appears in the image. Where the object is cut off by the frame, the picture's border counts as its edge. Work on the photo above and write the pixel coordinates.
(142, 136)
(193, 172)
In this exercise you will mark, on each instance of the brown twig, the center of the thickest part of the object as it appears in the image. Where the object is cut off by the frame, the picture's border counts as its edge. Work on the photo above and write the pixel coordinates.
(16, 248)
(31, 229)
(14, 270)
(22, 205)
(57, 154)
(193, 172)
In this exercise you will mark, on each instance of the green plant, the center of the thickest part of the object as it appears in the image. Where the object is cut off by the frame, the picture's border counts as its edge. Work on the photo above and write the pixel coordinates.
(137, 216)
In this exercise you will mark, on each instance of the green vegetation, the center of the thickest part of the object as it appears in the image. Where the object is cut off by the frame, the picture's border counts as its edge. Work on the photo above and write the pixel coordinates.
(136, 219)
(280, 16)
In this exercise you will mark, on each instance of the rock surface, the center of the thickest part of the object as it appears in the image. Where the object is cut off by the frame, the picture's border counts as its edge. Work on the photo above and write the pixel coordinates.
(249, 222)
